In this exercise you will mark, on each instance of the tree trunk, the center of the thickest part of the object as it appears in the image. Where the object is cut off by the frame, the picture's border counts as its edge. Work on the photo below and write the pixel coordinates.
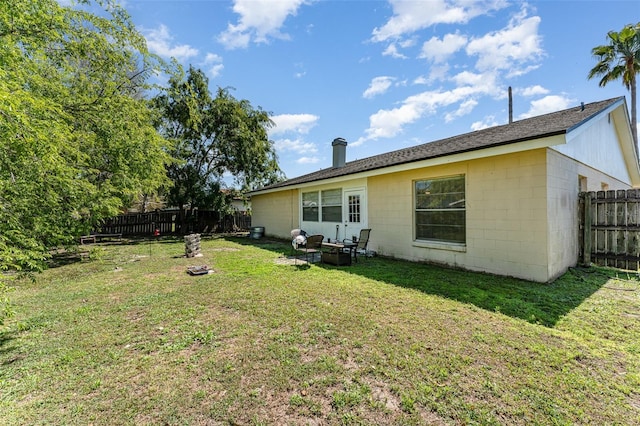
(181, 220)
(634, 114)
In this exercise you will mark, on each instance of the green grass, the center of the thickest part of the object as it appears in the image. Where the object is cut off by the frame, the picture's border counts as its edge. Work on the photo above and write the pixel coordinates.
(130, 338)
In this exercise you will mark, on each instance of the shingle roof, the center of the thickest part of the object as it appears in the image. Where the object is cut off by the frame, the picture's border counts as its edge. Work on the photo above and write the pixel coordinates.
(555, 123)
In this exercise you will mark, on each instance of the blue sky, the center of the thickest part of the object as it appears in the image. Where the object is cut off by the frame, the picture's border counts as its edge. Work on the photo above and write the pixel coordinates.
(386, 75)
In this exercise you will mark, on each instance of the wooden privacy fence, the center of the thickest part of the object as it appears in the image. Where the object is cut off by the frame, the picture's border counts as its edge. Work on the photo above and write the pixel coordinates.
(140, 223)
(610, 228)
(168, 222)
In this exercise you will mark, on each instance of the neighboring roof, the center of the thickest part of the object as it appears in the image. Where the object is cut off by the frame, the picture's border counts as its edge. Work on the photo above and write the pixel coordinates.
(556, 123)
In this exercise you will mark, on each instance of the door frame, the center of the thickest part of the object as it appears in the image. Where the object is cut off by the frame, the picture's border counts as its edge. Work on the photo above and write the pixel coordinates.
(353, 228)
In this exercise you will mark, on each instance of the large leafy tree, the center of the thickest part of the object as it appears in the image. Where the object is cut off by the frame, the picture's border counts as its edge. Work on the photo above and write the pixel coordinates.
(213, 138)
(77, 140)
(620, 60)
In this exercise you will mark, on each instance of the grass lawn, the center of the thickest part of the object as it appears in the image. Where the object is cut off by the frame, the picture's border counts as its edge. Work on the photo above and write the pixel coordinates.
(130, 338)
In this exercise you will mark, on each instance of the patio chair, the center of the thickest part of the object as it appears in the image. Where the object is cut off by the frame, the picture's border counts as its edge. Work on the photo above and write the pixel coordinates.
(363, 241)
(298, 238)
(311, 247)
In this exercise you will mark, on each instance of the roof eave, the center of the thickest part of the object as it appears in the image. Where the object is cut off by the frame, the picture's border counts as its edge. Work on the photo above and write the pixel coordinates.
(524, 144)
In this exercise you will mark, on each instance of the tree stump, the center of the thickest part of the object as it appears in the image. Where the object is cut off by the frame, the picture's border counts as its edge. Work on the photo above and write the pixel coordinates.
(192, 245)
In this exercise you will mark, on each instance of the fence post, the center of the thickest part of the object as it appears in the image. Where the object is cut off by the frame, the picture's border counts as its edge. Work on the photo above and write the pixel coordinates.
(586, 229)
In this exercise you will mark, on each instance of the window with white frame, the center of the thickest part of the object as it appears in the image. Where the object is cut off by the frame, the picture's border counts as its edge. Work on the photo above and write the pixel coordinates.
(440, 210)
(310, 206)
(331, 204)
(322, 206)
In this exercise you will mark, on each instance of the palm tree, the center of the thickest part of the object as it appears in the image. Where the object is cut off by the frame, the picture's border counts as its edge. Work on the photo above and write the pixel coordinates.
(620, 59)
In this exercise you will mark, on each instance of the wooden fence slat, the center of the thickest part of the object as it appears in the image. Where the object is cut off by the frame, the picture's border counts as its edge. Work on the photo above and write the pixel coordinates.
(586, 228)
(167, 223)
(610, 228)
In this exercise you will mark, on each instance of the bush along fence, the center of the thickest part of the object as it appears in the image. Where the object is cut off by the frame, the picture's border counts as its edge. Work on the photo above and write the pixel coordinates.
(166, 222)
(610, 228)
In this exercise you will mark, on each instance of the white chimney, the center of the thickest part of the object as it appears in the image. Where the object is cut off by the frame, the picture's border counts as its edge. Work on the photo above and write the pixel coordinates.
(339, 152)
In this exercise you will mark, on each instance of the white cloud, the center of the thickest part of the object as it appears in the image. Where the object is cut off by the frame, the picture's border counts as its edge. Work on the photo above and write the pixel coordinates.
(551, 103)
(411, 16)
(392, 50)
(361, 140)
(212, 58)
(536, 90)
(511, 48)
(234, 38)
(304, 152)
(484, 82)
(299, 123)
(511, 51)
(214, 63)
(308, 160)
(215, 70)
(295, 145)
(438, 50)
(160, 41)
(390, 123)
(439, 72)
(465, 108)
(517, 72)
(259, 21)
(378, 86)
(420, 80)
(489, 121)
(407, 43)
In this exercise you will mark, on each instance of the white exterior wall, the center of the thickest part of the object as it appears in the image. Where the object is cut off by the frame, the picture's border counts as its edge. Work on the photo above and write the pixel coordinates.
(506, 216)
(562, 201)
(562, 214)
(328, 229)
(391, 213)
(278, 212)
(596, 144)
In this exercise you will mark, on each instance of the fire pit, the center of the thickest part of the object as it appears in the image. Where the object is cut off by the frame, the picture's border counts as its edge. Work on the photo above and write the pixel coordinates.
(198, 270)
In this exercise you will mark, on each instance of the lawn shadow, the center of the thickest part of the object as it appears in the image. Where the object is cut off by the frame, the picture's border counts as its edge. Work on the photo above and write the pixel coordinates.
(5, 348)
(537, 303)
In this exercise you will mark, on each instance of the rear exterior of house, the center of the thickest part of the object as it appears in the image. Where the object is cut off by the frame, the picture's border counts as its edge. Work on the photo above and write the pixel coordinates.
(486, 201)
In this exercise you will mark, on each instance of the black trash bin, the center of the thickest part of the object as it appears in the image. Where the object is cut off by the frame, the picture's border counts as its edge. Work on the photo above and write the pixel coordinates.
(256, 232)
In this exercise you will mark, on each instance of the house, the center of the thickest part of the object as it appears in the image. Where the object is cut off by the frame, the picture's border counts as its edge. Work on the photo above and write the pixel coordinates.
(502, 200)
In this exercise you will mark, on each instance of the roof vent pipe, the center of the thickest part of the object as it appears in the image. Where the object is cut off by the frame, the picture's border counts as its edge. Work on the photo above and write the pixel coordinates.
(510, 106)
(339, 152)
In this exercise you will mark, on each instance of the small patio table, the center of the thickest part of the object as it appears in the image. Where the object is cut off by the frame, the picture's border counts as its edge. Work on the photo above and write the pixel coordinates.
(335, 251)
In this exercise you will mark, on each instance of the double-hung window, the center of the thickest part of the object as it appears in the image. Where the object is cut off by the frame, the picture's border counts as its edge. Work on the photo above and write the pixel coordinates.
(322, 206)
(440, 210)
(310, 206)
(332, 205)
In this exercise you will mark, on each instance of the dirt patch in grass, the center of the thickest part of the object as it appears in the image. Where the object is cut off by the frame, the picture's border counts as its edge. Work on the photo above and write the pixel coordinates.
(291, 261)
